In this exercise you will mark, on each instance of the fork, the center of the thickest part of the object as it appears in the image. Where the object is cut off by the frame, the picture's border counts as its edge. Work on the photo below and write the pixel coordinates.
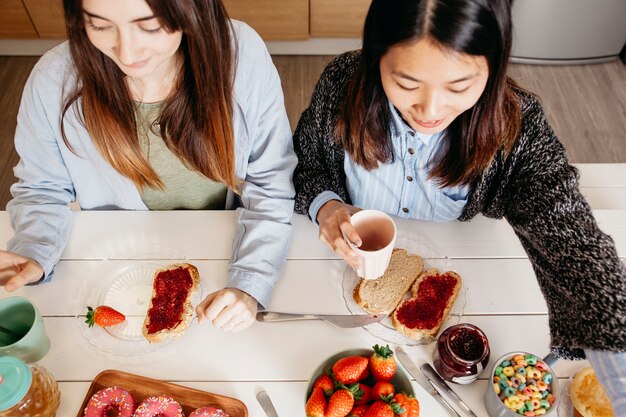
(266, 404)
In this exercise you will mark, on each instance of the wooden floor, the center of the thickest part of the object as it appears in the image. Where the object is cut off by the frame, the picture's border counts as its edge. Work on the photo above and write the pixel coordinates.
(585, 104)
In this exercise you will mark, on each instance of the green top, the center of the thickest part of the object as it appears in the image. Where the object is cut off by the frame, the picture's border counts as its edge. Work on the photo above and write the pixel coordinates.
(15, 381)
(184, 187)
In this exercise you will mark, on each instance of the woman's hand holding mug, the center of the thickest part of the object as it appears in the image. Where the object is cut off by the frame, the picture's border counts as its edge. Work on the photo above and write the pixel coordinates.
(334, 221)
(363, 238)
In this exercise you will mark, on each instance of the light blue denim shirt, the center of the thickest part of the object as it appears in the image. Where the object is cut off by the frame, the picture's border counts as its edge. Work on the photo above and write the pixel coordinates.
(50, 176)
(401, 187)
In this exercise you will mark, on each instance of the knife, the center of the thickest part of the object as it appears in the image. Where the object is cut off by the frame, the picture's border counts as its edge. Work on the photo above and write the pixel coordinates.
(346, 320)
(421, 379)
(266, 404)
(438, 382)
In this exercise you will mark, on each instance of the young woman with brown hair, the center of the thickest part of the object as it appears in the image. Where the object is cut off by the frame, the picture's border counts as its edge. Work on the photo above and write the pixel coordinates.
(424, 123)
(155, 105)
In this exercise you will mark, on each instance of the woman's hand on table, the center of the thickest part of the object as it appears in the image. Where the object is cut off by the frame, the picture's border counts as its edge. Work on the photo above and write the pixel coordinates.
(17, 271)
(334, 218)
(230, 310)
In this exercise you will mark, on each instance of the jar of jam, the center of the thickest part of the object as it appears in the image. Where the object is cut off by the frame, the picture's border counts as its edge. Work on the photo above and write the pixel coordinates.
(462, 352)
(27, 390)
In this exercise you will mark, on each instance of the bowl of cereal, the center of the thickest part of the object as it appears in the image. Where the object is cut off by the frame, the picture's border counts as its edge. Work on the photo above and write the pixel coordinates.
(522, 384)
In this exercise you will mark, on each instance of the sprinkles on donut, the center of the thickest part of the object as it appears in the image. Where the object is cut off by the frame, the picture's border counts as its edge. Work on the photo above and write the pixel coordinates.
(109, 399)
(209, 412)
(161, 406)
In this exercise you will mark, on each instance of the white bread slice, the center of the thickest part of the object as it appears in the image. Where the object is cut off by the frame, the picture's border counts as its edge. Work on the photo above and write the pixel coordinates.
(588, 395)
(187, 313)
(427, 333)
(382, 295)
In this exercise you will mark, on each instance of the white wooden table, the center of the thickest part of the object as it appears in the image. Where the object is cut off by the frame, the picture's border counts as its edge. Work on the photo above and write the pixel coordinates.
(280, 357)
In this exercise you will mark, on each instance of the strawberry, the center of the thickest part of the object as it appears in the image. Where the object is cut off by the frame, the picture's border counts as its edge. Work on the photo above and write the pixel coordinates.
(340, 403)
(326, 383)
(365, 373)
(359, 410)
(382, 363)
(316, 404)
(379, 409)
(383, 390)
(104, 316)
(350, 370)
(364, 395)
(409, 403)
(384, 409)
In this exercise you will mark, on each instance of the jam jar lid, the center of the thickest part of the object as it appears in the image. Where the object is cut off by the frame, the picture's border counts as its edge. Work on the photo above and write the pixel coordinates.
(15, 380)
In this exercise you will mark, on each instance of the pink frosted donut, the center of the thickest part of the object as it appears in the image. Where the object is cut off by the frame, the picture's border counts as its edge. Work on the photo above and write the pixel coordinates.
(109, 399)
(209, 412)
(161, 406)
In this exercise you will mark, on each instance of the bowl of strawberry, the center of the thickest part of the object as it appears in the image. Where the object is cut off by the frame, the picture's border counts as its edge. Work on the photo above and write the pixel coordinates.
(361, 383)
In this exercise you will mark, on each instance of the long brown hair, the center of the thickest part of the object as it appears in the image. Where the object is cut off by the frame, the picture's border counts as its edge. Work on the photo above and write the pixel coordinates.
(475, 27)
(196, 121)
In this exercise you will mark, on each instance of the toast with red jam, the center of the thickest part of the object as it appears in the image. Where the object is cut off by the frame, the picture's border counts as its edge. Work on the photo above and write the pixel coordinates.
(171, 309)
(433, 294)
(383, 294)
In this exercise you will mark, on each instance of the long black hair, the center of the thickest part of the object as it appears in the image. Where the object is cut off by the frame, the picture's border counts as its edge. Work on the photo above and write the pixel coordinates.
(474, 27)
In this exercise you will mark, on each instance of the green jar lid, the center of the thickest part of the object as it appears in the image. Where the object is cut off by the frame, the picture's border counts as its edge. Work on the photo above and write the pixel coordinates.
(15, 380)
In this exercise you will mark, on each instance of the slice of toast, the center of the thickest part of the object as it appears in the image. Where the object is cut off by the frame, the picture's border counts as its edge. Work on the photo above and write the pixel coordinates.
(433, 295)
(382, 295)
(171, 309)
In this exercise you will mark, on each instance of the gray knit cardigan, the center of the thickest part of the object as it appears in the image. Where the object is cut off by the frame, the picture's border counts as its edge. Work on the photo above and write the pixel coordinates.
(533, 188)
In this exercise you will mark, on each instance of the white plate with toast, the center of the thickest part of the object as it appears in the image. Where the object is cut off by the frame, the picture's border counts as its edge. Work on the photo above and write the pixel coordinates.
(127, 287)
(385, 329)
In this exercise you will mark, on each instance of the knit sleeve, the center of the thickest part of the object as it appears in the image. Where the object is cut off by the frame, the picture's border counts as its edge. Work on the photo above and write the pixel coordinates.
(576, 264)
(320, 157)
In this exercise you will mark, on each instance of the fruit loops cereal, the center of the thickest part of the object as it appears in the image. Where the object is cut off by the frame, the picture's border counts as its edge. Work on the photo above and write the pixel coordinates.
(524, 384)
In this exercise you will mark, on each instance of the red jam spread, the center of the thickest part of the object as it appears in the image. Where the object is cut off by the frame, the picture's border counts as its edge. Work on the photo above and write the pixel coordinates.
(461, 354)
(426, 310)
(467, 344)
(171, 289)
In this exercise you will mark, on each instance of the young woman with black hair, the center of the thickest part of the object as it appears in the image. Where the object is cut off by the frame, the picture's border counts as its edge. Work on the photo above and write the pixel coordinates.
(424, 123)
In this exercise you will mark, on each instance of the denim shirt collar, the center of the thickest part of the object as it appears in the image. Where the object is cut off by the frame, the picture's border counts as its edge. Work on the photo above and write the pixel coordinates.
(400, 130)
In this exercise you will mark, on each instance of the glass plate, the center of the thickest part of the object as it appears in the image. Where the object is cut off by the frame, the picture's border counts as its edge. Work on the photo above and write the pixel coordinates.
(127, 287)
(384, 329)
(565, 407)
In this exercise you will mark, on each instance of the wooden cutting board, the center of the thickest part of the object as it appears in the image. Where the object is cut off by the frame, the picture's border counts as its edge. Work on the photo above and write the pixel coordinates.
(141, 388)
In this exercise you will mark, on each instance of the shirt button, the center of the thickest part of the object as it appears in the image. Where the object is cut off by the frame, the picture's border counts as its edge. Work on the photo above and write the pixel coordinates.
(404, 209)
(411, 133)
(410, 178)
(411, 151)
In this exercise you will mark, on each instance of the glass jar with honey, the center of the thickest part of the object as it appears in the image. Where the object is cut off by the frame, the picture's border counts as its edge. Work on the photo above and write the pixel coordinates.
(27, 390)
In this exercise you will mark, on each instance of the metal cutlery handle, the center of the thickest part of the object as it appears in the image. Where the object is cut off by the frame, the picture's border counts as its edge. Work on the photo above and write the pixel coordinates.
(421, 379)
(451, 411)
(275, 316)
(12, 334)
(438, 383)
(266, 404)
